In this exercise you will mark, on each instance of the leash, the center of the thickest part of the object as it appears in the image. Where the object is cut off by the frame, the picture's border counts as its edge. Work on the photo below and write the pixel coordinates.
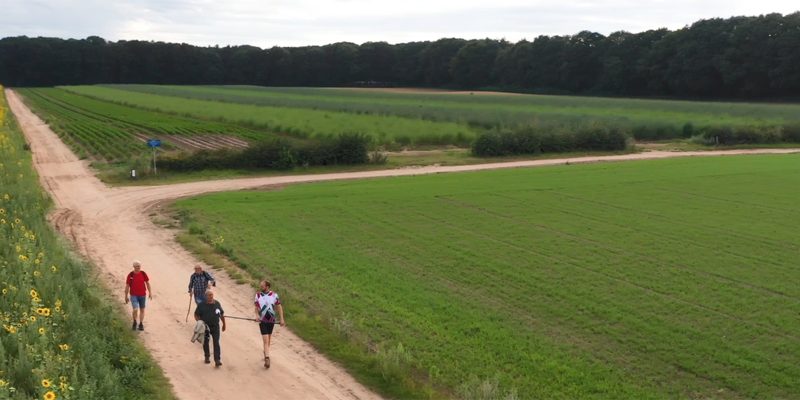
(246, 319)
(249, 319)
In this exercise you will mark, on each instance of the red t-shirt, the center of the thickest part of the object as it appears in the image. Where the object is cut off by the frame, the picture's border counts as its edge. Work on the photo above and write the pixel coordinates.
(136, 282)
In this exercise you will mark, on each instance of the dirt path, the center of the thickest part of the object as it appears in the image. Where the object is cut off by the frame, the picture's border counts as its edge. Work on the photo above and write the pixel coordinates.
(110, 227)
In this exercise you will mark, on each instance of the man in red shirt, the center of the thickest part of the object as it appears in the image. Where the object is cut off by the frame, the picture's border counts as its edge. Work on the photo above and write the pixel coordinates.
(137, 284)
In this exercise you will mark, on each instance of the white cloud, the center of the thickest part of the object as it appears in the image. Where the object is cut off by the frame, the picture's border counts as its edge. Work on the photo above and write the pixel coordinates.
(268, 23)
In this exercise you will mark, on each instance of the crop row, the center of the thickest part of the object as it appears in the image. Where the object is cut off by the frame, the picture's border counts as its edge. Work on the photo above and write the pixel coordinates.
(111, 131)
(295, 121)
(646, 118)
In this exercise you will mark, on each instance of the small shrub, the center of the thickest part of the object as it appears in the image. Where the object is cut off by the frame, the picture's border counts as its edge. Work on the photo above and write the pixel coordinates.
(486, 389)
(791, 133)
(392, 361)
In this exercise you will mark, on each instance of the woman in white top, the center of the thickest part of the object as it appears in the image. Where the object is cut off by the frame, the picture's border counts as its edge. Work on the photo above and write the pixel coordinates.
(266, 303)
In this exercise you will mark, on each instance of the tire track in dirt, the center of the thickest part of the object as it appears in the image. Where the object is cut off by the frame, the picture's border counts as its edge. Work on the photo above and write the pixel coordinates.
(109, 227)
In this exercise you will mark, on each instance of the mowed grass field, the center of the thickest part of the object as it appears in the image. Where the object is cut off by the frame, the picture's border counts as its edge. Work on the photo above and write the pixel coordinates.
(650, 279)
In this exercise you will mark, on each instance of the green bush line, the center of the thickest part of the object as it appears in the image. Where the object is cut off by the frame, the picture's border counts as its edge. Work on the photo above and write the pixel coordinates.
(538, 139)
(280, 154)
(51, 306)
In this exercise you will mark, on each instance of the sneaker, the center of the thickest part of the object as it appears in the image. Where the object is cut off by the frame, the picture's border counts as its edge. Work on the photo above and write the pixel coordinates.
(207, 361)
(217, 363)
(141, 327)
(133, 326)
(266, 361)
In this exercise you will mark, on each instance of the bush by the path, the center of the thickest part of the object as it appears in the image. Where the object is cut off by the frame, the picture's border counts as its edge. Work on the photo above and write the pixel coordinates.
(277, 154)
(537, 139)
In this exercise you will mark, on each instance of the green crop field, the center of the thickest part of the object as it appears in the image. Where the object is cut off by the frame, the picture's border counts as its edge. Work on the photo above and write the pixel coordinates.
(650, 279)
(113, 132)
(296, 121)
(484, 109)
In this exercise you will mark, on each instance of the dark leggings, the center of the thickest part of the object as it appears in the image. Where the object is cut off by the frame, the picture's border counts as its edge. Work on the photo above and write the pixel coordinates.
(212, 331)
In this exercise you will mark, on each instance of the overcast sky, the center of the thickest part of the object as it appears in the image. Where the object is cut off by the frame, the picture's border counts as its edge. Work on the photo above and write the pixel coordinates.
(267, 23)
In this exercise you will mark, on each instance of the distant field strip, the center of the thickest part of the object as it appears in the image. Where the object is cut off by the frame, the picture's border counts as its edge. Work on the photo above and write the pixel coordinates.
(302, 122)
(488, 109)
(113, 132)
(652, 279)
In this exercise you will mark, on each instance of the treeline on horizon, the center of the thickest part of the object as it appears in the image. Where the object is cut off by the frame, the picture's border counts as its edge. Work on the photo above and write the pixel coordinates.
(738, 57)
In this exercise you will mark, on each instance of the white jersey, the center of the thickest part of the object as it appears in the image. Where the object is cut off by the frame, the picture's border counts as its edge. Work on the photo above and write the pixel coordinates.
(266, 303)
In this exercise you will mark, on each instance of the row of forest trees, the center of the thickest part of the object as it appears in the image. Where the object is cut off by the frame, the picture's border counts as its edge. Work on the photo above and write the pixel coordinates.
(739, 57)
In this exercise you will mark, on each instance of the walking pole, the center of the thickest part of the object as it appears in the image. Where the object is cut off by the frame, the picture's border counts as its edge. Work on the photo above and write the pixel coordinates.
(190, 307)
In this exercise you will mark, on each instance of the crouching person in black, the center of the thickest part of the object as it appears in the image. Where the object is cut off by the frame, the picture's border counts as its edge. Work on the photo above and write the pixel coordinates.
(211, 312)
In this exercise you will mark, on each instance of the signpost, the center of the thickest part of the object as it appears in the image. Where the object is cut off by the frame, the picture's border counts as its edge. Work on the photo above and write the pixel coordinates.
(154, 143)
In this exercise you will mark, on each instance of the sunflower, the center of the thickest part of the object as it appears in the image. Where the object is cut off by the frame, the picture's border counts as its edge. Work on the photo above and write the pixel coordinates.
(41, 331)
(51, 395)
(46, 383)
(64, 347)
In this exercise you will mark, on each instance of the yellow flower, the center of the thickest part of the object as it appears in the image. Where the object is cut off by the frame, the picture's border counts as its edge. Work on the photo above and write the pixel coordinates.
(23, 257)
(34, 293)
(37, 273)
(51, 395)
(62, 378)
(54, 268)
(41, 331)
(63, 347)
(46, 383)
(5, 291)
(32, 318)
(43, 311)
(2, 211)
(63, 386)
(3, 383)
(10, 328)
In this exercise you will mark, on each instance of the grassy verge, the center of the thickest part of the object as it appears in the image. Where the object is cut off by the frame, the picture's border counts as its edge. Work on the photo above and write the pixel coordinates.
(311, 327)
(51, 303)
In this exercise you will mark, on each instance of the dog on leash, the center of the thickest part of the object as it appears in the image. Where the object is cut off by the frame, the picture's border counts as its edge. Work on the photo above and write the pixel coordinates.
(199, 330)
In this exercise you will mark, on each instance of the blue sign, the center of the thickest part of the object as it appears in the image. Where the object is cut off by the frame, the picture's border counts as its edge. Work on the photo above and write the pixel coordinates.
(153, 142)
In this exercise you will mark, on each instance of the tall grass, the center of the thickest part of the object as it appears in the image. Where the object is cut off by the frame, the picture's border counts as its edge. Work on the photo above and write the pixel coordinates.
(50, 306)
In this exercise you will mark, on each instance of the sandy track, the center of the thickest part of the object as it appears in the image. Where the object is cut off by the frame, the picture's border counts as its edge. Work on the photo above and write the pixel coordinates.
(109, 226)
